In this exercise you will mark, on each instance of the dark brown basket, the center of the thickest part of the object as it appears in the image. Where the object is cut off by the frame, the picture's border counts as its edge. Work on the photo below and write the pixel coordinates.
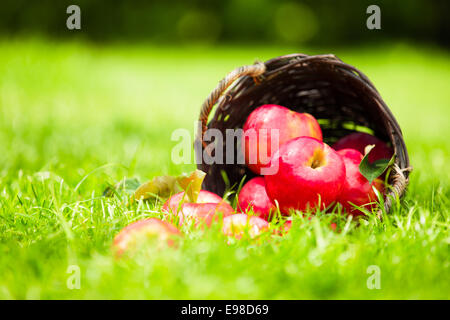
(337, 94)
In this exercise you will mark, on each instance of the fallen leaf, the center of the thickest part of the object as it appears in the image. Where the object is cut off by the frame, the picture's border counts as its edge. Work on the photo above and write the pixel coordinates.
(192, 184)
(161, 186)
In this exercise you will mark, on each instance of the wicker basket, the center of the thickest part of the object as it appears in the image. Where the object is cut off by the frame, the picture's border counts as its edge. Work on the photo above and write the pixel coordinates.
(337, 94)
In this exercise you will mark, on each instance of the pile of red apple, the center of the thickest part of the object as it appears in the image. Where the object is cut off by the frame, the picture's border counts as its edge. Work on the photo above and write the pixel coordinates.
(309, 175)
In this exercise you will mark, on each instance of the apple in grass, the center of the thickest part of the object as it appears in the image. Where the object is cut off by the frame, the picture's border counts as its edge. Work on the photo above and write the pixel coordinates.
(194, 204)
(132, 235)
(360, 140)
(357, 189)
(204, 213)
(207, 208)
(175, 201)
(260, 141)
(253, 196)
(237, 225)
(310, 175)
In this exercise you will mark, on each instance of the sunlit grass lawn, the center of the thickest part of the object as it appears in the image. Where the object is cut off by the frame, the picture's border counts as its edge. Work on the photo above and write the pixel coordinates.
(75, 117)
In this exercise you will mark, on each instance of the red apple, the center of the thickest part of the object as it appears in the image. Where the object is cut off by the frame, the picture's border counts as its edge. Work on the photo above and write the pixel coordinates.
(310, 174)
(174, 202)
(207, 209)
(239, 224)
(359, 141)
(257, 144)
(357, 189)
(129, 236)
(253, 195)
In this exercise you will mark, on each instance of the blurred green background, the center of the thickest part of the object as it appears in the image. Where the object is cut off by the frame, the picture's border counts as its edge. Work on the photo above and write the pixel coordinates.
(84, 108)
(316, 22)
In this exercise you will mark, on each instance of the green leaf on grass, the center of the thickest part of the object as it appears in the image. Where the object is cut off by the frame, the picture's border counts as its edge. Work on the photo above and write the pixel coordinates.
(372, 170)
(126, 185)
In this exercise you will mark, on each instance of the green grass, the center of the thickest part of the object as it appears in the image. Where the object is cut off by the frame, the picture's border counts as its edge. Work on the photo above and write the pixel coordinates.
(75, 117)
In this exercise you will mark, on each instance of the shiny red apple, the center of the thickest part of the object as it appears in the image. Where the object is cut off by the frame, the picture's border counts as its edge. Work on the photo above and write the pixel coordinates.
(253, 196)
(237, 225)
(310, 175)
(130, 236)
(208, 208)
(357, 189)
(360, 140)
(259, 141)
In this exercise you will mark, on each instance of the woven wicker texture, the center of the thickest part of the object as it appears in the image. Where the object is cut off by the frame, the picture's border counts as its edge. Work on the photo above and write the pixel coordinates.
(341, 97)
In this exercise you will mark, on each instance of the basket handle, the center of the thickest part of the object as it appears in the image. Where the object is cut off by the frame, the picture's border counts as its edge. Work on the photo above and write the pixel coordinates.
(398, 188)
(254, 70)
